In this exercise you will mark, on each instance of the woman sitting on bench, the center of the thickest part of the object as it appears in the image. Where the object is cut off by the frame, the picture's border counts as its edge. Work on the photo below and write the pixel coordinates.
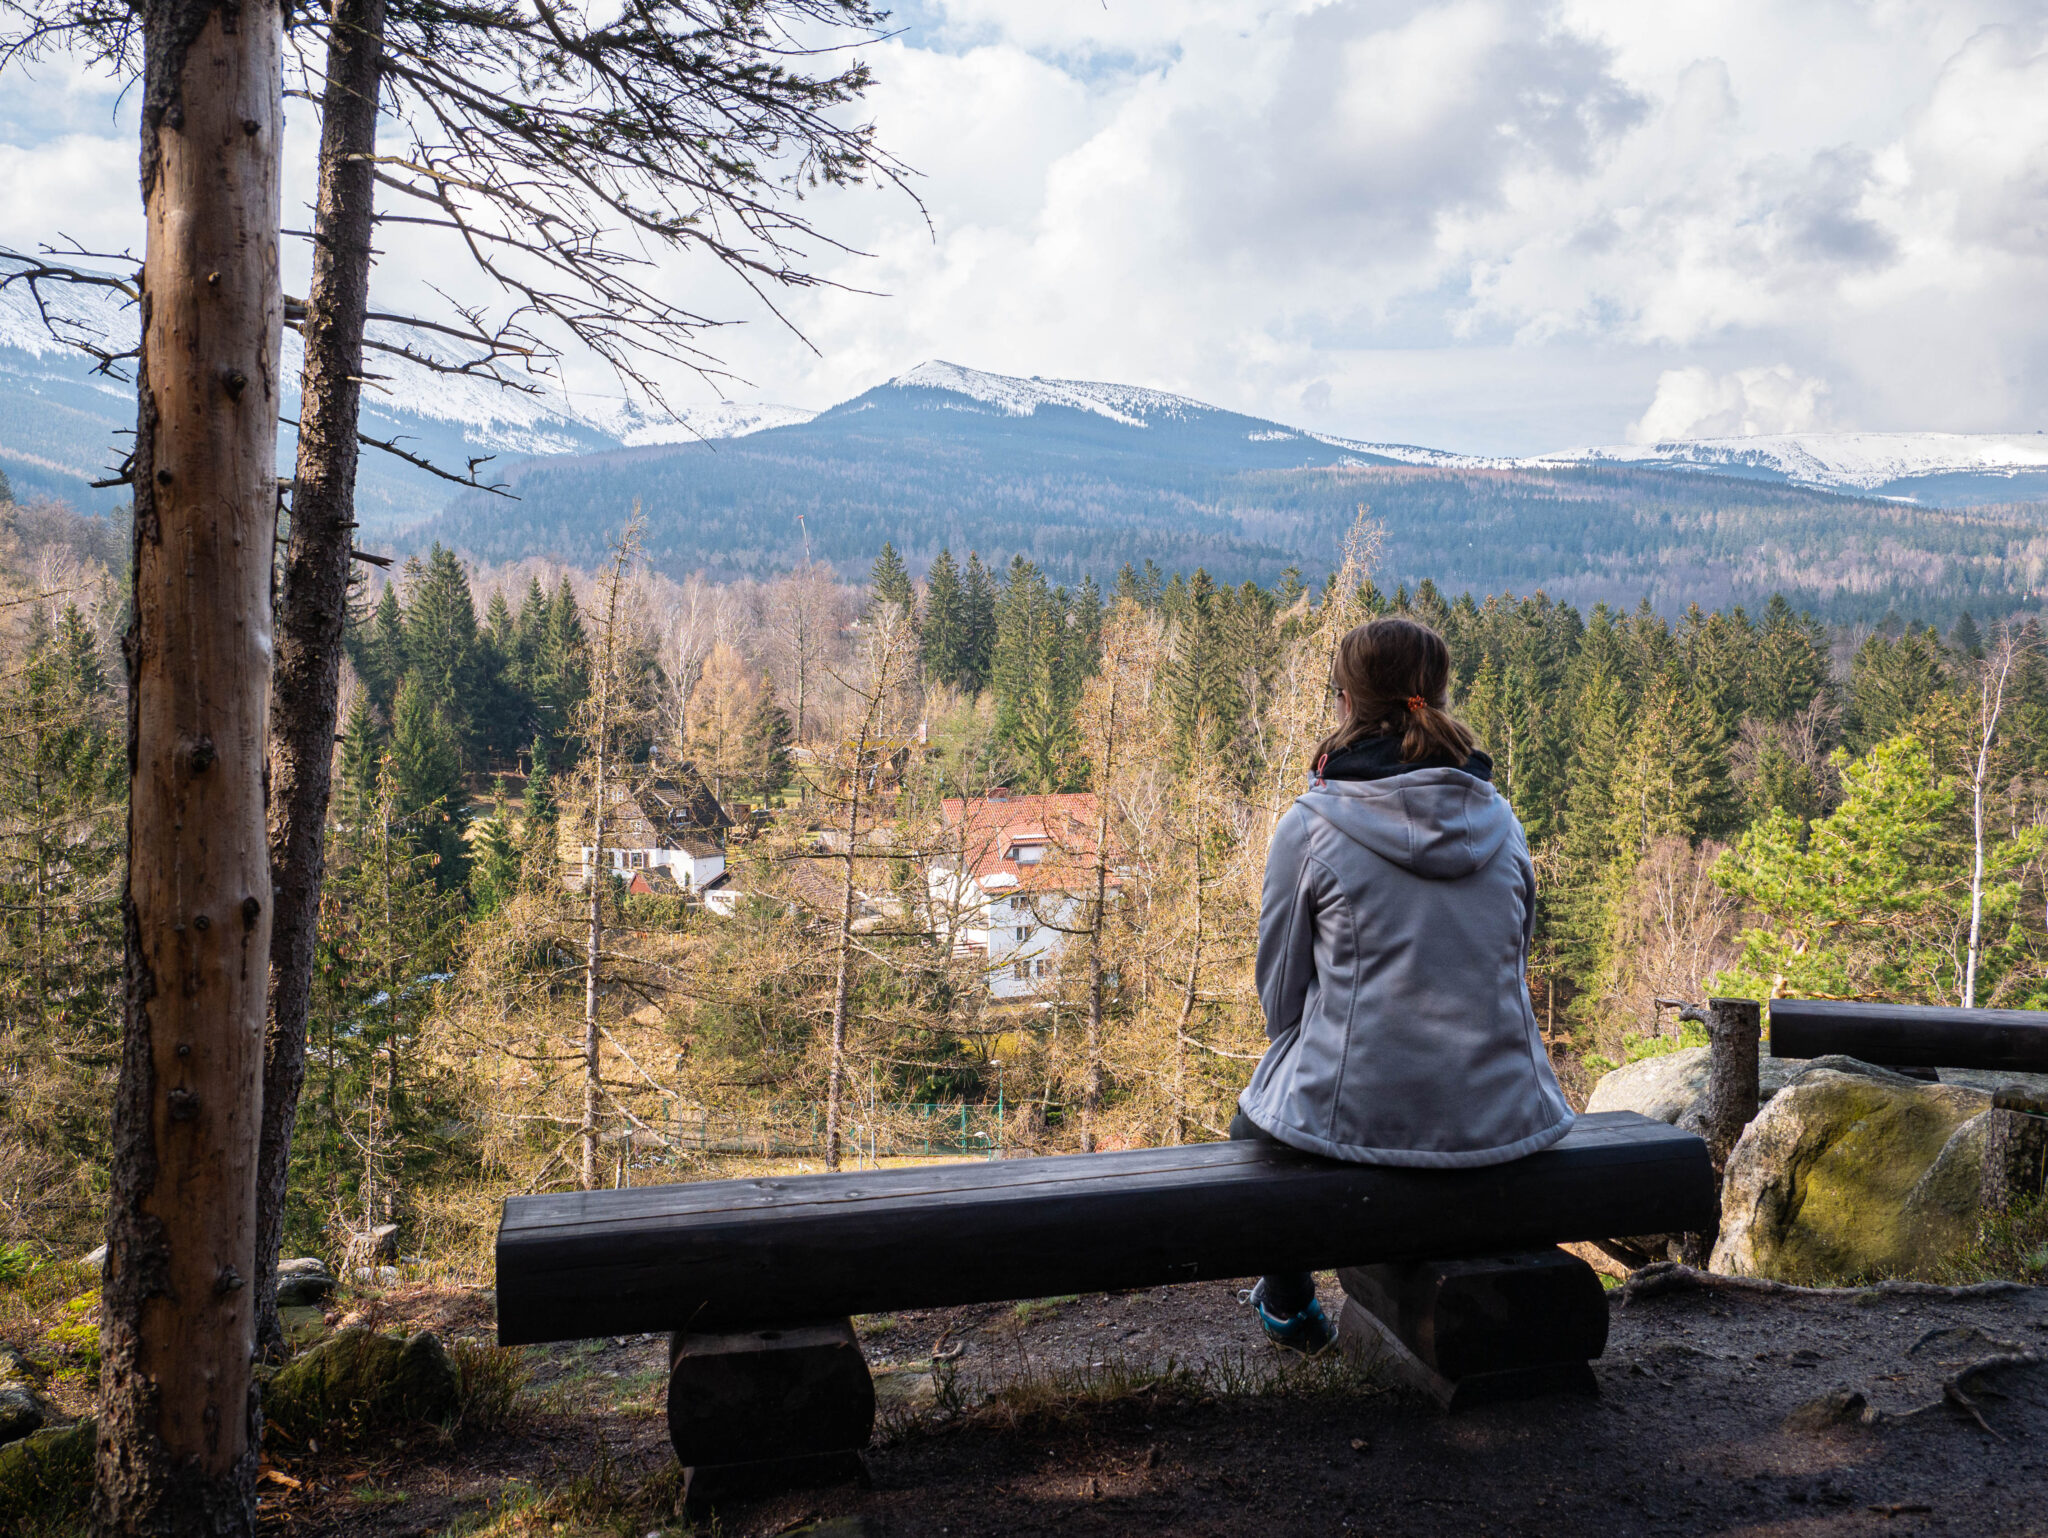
(1394, 948)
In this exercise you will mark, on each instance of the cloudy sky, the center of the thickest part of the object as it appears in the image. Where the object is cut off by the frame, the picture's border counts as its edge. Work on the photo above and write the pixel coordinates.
(1481, 224)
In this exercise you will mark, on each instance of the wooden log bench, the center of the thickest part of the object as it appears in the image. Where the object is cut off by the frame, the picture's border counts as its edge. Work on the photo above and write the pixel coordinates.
(758, 1280)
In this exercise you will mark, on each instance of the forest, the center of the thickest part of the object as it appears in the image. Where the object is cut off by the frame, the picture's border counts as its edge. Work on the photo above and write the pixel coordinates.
(1747, 802)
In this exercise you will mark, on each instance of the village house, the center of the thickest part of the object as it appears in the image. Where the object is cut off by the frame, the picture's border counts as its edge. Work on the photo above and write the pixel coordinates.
(664, 838)
(1017, 876)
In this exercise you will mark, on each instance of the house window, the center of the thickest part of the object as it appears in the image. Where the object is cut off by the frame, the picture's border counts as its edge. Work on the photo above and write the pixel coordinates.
(1022, 969)
(639, 859)
(1023, 933)
(1028, 854)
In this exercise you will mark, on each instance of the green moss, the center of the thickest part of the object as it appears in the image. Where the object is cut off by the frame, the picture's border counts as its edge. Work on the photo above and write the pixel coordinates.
(359, 1382)
(1847, 1210)
(46, 1482)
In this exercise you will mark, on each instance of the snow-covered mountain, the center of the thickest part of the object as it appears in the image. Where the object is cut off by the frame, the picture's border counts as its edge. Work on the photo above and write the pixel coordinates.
(62, 425)
(1941, 469)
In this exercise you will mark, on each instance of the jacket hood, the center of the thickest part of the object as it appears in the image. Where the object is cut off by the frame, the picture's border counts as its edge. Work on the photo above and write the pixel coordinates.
(1441, 824)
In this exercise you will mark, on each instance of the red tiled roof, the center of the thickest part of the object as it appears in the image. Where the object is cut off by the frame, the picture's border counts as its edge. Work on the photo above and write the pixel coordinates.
(991, 828)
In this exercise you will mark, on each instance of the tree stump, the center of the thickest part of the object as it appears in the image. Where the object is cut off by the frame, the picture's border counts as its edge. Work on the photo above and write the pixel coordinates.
(2015, 1149)
(756, 1411)
(1472, 1332)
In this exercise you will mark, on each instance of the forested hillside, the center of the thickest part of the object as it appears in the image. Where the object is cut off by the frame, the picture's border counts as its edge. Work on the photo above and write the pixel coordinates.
(1741, 800)
(1080, 494)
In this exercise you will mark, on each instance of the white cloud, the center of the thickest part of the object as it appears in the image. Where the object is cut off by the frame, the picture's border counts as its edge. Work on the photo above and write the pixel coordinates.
(1693, 403)
(1483, 223)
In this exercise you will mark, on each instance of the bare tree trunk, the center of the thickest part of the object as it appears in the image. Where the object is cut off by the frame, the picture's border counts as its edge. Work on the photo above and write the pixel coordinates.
(835, 1083)
(1992, 704)
(178, 1406)
(598, 874)
(888, 647)
(1187, 1013)
(1091, 1088)
(313, 602)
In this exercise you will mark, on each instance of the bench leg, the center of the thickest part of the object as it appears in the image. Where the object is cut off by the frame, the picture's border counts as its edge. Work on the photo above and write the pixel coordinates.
(757, 1411)
(1472, 1332)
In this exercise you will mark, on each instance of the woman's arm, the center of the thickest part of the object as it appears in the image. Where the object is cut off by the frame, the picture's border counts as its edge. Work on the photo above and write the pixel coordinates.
(1287, 930)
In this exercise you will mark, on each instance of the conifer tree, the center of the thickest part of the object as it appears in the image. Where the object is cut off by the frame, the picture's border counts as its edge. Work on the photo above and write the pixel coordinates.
(942, 643)
(978, 627)
(494, 861)
(63, 772)
(1891, 683)
(380, 656)
(768, 737)
(889, 583)
(426, 781)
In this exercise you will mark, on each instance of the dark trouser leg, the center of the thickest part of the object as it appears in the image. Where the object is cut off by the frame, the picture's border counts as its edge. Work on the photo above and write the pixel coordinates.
(1286, 1295)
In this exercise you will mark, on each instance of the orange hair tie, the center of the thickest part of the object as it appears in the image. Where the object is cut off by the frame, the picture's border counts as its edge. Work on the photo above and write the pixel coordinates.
(1417, 702)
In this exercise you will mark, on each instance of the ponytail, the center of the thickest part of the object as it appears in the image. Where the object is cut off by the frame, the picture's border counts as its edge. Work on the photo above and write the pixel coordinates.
(1396, 674)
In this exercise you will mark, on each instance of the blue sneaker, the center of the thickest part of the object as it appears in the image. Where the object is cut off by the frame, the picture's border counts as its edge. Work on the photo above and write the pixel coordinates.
(1307, 1332)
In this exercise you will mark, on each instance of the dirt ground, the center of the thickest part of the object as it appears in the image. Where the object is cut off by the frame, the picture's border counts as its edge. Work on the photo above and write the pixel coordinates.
(1162, 1412)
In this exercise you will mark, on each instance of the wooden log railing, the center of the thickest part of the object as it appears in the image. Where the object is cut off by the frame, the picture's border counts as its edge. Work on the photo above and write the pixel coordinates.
(1911, 1035)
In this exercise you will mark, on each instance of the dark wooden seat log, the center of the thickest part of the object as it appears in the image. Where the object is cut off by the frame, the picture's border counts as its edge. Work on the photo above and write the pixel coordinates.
(759, 1278)
(1473, 1332)
(744, 1254)
(1911, 1035)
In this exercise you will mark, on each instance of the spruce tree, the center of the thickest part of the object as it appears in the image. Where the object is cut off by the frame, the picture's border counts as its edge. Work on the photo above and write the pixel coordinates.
(425, 769)
(1891, 683)
(978, 647)
(889, 582)
(768, 738)
(380, 656)
(942, 643)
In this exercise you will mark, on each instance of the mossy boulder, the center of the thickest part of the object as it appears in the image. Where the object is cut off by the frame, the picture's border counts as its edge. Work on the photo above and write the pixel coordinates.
(1846, 1176)
(358, 1383)
(21, 1402)
(46, 1481)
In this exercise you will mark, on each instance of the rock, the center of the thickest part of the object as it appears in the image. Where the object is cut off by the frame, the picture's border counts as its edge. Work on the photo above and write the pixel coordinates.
(1990, 1079)
(1837, 1179)
(21, 1407)
(21, 1412)
(303, 1282)
(358, 1382)
(16, 1368)
(46, 1480)
(1940, 1211)
(1844, 1407)
(376, 1276)
(1659, 1087)
(97, 1259)
(1669, 1086)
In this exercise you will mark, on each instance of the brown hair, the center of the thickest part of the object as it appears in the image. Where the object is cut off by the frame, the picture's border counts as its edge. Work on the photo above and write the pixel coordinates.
(1396, 674)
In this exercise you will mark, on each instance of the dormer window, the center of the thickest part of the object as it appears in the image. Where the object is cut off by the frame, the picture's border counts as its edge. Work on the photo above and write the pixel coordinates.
(1028, 854)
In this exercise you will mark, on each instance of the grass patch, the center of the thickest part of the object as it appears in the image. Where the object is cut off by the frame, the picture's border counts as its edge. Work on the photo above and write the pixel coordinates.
(378, 1495)
(2010, 1246)
(596, 1505)
(493, 1388)
(1032, 1310)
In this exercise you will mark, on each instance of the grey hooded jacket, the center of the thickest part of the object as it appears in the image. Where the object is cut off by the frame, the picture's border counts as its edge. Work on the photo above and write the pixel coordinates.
(1393, 951)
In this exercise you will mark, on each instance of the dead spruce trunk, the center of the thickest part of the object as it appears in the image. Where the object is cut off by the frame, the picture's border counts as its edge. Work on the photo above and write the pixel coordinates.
(177, 1447)
(312, 604)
